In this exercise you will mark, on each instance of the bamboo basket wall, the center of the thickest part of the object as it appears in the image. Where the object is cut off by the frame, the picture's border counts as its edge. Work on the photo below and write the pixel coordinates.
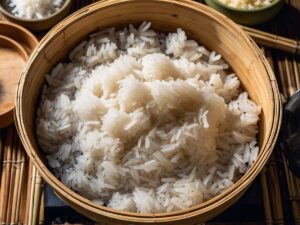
(201, 23)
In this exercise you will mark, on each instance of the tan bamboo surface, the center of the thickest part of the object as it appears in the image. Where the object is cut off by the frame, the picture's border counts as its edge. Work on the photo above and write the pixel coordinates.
(287, 69)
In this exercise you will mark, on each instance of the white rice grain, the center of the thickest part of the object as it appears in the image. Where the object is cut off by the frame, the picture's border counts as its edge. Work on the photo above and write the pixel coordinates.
(146, 122)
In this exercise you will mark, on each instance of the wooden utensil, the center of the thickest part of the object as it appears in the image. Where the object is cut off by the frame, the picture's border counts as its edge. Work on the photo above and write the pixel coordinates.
(19, 34)
(12, 61)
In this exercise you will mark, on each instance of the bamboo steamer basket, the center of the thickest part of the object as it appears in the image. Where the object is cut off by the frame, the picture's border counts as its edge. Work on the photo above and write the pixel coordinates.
(203, 24)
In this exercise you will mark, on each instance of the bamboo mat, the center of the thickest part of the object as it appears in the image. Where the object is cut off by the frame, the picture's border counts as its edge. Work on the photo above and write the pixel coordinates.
(21, 187)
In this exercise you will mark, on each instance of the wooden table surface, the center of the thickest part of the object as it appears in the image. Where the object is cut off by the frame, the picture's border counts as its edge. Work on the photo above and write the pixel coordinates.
(274, 197)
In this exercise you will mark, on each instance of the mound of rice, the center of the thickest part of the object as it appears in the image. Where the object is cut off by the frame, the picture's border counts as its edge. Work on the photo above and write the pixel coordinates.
(247, 4)
(146, 122)
(35, 9)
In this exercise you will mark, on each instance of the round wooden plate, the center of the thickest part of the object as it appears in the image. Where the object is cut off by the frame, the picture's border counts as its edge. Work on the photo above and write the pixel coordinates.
(13, 58)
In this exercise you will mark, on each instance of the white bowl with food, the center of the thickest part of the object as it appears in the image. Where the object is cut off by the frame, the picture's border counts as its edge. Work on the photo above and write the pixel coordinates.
(36, 15)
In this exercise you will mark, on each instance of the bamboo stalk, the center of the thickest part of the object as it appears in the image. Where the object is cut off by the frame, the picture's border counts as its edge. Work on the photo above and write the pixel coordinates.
(17, 186)
(1, 155)
(25, 191)
(297, 75)
(12, 177)
(273, 41)
(21, 186)
(266, 198)
(42, 210)
(37, 198)
(28, 191)
(10, 190)
(268, 56)
(295, 203)
(2, 187)
(290, 78)
(274, 190)
(282, 78)
(31, 196)
(292, 192)
(6, 176)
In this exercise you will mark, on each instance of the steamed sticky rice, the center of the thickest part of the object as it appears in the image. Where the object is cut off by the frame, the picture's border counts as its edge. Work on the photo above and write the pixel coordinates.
(146, 122)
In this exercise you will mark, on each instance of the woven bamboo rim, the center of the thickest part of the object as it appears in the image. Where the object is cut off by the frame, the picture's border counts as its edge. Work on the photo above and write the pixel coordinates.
(173, 12)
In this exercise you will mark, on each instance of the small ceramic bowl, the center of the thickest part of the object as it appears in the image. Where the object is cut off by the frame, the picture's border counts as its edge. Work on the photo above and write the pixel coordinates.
(36, 24)
(248, 16)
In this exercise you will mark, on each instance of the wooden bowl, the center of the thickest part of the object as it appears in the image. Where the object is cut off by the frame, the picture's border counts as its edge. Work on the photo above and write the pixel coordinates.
(13, 58)
(20, 35)
(203, 24)
(248, 16)
(17, 44)
(36, 24)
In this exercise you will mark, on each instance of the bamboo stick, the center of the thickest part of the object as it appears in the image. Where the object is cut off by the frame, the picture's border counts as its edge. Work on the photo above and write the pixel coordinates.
(4, 196)
(268, 56)
(296, 70)
(290, 78)
(28, 191)
(10, 190)
(31, 195)
(1, 155)
(273, 41)
(18, 185)
(282, 78)
(21, 186)
(292, 192)
(16, 182)
(266, 198)
(25, 191)
(2, 187)
(42, 210)
(37, 198)
(274, 189)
